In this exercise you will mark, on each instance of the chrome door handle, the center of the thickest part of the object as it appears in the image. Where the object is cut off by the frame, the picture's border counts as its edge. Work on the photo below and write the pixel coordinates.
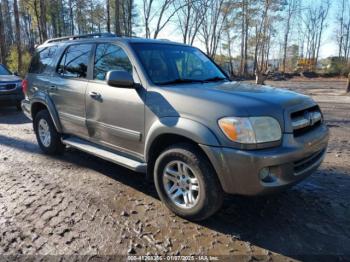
(94, 95)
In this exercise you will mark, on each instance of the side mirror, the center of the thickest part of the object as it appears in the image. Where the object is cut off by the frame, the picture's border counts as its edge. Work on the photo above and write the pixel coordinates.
(120, 78)
(15, 73)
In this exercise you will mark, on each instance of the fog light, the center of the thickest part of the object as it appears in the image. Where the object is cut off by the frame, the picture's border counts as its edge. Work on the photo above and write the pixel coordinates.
(266, 176)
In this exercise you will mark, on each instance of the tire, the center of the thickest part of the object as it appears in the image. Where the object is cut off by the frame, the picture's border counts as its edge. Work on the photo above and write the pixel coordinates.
(205, 189)
(53, 145)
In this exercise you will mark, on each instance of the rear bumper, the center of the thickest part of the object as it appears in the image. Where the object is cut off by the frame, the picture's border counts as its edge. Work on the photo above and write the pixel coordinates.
(294, 160)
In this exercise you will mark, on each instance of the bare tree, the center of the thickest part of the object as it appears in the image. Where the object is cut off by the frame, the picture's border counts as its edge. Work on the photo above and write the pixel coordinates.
(190, 17)
(314, 22)
(130, 4)
(147, 8)
(18, 36)
(245, 20)
(341, 25)
(213, 25)
(42, 20)
(6, 13)
(290, 13)
(117, 17)
(108, 9)
(162, 21)
(263, 38)
(342, 33)
(160, 14)
(71, 16)
(2, 38)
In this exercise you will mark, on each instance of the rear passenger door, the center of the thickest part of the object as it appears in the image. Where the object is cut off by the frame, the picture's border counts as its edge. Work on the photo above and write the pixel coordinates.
(116, 117)
(68, 88)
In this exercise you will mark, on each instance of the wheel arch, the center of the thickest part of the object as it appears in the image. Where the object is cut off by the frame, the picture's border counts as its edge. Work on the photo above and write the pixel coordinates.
(42, 102)
(173, 130)
(178, 128)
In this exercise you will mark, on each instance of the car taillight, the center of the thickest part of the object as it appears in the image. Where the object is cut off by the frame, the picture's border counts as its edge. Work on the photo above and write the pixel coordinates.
(24, 86)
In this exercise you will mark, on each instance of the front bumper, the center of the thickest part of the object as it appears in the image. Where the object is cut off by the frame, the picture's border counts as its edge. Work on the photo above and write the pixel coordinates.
(297, 158)
(11, 98)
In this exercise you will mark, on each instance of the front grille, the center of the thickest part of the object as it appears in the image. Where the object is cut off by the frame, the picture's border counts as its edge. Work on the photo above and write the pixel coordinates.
(306, 120)
(7, 87)
(303, 164)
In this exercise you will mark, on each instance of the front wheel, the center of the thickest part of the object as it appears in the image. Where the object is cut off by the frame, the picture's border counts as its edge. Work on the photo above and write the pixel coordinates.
(48, 138)
(187, 183)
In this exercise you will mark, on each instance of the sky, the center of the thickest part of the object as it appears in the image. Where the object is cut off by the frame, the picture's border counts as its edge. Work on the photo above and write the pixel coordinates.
(328, 46)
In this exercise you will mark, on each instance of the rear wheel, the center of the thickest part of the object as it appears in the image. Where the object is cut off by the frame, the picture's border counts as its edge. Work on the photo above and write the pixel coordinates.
(48, 138)
(187, 183)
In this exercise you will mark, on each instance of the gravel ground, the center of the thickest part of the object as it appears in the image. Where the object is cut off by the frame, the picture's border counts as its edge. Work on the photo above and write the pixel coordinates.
(77, 204)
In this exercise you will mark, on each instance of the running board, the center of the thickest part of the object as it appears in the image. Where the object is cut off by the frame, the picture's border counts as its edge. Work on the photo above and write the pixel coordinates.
(96, 150)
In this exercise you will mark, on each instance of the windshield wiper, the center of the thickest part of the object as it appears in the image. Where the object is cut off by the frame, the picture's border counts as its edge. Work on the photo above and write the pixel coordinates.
(181, 81)
(215, 79)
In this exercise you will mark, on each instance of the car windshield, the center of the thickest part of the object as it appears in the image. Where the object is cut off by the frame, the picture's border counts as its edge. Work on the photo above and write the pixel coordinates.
(4, 71)
(168, 64)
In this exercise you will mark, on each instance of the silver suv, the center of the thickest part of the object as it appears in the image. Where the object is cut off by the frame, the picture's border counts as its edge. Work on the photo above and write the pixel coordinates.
(166, 109)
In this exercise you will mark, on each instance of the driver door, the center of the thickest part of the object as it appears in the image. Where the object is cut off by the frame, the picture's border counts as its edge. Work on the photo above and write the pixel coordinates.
(114, 116)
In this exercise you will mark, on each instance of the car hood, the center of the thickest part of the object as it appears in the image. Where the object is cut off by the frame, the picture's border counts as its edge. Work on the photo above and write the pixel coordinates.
(212, 101)
(264, 94)
(9, 78)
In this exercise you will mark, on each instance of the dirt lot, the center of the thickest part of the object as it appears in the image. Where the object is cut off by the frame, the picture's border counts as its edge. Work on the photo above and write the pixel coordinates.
(77, 204)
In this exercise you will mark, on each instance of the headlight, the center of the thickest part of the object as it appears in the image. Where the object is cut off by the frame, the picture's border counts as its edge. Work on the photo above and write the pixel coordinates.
(251, 130)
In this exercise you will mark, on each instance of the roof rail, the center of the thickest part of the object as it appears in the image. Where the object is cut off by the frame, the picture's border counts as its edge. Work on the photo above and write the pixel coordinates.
(74, 37)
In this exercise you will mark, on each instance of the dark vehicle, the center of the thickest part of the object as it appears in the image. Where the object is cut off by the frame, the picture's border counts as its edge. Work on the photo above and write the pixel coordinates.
(167, 110)
(10, 88)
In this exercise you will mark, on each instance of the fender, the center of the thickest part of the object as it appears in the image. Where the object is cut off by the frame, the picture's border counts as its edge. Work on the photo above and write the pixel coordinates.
(185, 127)
(43, 98)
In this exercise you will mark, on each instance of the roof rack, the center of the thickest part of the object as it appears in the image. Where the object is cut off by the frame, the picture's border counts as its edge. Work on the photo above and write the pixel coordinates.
(74, 37)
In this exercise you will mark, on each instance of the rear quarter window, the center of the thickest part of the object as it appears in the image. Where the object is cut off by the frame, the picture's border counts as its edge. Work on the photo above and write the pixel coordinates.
(42, 60)
(75, 60)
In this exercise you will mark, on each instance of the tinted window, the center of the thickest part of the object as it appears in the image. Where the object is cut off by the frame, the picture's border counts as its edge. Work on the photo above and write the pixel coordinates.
(42, 59)
(74, 62)
(110, 57)
(4, 71)
(166, 63)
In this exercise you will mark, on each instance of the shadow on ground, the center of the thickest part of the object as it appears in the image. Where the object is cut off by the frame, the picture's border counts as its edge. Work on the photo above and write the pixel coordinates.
(10, 115)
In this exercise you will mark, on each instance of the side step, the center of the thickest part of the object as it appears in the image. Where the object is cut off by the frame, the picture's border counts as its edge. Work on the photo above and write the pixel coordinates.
(98, 151)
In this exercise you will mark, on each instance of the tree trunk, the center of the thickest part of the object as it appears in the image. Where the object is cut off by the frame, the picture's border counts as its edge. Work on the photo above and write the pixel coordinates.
(241, 70)
(43, 20)
(18, 36)
(348, 87)
(37, 17)
(7, 23)
(246, 29)
(259, 77)
(131, 4)
(117, 17)
(108, 16)
(71, 17)
(2, 39)
(60, 20)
